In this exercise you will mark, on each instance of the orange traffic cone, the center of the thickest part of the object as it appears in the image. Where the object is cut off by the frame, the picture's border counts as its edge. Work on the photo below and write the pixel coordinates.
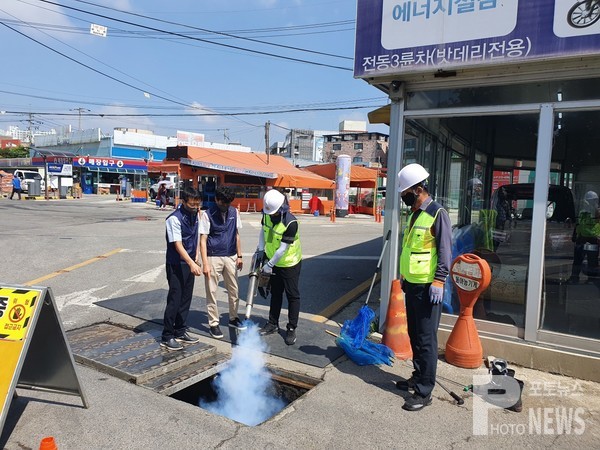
(395, 335)
(48, 444)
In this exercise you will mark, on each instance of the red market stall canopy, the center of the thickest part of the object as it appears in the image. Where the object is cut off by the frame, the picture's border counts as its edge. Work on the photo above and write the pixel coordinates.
(360, 176)
(277, 170)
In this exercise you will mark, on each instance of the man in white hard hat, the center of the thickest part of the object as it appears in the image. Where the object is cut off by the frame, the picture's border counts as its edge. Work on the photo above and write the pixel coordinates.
(424, 266)
(279, 239)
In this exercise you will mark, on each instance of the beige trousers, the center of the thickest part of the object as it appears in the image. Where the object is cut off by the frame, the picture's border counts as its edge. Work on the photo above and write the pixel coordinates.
(221, 266)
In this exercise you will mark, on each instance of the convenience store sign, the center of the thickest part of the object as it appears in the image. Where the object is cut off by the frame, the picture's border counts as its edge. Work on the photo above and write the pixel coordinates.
(397, 36)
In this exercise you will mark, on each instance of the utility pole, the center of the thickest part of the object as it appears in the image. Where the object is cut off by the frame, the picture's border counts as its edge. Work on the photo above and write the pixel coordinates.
(32, 124)
(267, 150)
(80, 110)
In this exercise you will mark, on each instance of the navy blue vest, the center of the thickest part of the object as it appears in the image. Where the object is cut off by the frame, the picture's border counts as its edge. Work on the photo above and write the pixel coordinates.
(189, 236)
(222, 237)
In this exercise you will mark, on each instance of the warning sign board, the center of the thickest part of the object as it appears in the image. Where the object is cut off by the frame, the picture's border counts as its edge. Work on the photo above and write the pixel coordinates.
(34, 351)
(16, 309)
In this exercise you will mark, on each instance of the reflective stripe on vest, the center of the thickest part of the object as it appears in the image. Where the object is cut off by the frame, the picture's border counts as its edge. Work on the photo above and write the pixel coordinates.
(273, 235)
(418, 260)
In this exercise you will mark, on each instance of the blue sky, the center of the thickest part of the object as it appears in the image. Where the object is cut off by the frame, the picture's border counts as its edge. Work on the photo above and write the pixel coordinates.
(158, 71)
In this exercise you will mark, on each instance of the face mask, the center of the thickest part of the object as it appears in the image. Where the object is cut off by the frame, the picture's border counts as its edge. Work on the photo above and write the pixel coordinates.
(409, 198)
(190, 210)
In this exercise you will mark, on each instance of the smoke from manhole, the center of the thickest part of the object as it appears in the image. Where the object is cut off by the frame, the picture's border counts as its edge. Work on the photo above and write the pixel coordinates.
(244, 387)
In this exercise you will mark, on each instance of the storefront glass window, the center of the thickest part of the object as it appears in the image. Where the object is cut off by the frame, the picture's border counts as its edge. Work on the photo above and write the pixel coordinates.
(555, 91)
(571, 298)
(472, 157)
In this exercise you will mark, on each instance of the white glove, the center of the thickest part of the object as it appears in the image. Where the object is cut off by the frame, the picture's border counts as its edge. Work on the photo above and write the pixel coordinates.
(267, 269)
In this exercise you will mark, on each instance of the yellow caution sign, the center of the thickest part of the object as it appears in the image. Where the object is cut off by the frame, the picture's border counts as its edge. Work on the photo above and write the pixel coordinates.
(16, 310)
(34, 351)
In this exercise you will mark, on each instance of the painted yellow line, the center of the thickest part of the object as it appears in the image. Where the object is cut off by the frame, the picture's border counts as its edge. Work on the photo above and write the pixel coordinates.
(341, 302)
(72, 268)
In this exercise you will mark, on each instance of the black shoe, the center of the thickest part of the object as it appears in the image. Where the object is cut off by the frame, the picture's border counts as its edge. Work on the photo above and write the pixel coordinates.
(269, 328)
(405, 385)
(236, 323)
(186, 338)
(416, 403)
(216, 332)
(171, 344)
(290, 336)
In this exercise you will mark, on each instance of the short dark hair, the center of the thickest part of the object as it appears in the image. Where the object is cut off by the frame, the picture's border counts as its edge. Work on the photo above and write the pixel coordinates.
(190, 194)
(224, 194)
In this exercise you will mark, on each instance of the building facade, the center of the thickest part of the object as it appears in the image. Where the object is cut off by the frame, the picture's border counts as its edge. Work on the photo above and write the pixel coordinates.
(504, 121)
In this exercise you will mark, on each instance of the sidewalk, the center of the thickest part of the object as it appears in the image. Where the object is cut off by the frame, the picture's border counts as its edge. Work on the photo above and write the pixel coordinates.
(353, 407)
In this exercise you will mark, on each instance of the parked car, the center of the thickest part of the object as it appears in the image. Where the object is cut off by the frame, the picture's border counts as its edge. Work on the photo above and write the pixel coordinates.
(27, 177)
(169, 180)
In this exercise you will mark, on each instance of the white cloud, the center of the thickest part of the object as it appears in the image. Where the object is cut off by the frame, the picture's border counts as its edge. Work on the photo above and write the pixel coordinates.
(107, 124)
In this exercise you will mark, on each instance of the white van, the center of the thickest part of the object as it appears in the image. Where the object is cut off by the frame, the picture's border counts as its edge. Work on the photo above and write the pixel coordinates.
(27, 177)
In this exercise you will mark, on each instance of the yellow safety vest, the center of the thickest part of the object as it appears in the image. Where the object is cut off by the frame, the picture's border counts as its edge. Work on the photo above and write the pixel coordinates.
(273, 235)
(418, 260)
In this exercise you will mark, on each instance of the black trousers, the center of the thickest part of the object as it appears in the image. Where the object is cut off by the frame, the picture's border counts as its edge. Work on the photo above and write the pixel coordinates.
(15, 191)
(179, 299)
(580, 254)
(285, 279)
(423, 319)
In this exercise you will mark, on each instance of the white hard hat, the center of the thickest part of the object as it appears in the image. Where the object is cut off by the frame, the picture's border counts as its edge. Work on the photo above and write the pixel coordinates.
(590, 195)
(272, 201)
(411, 175)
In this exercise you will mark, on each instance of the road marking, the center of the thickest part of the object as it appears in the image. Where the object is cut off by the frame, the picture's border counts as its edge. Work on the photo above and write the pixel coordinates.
(72, 268)
(81, 298)
(149, 276)
(340, 303)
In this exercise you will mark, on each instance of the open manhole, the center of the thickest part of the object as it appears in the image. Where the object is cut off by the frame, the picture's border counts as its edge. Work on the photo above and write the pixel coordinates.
(249, 401)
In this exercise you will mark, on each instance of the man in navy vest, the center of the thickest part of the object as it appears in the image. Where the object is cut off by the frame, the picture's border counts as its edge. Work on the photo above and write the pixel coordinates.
(221, 252)
(182, 268)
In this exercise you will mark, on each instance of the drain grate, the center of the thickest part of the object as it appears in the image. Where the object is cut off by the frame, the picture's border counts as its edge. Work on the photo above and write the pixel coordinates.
(136, 356)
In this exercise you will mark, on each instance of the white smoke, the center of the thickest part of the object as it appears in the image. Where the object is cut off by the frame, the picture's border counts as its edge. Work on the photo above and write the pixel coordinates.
(243, 386)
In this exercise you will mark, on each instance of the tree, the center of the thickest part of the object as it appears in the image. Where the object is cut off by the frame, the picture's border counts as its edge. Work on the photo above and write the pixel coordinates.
(14, 152)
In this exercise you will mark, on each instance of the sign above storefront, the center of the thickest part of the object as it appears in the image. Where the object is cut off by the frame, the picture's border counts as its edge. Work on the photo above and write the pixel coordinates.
(226, 168)
(402, 36)
(106, 164)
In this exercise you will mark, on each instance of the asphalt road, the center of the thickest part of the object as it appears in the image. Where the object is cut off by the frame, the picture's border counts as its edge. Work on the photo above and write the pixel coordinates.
(96, 248)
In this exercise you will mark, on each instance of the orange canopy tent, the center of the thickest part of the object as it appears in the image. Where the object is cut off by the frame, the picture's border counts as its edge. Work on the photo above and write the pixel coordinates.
(277, 170)
(363, 177)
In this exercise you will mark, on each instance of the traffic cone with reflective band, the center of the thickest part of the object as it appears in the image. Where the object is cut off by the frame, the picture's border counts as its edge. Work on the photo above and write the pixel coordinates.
(48, 444)
(395, 335)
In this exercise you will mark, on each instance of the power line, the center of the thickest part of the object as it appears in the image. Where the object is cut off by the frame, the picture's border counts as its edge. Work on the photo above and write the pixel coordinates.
(131, 34)
(220, 33)
(211, 114)
(172, 33)
(208, 108)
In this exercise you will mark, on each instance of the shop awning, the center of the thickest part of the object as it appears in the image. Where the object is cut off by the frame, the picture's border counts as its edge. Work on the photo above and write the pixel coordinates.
(359, 176)
(115, 170)
(380, 115)
(53, 153)
(275, 169)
